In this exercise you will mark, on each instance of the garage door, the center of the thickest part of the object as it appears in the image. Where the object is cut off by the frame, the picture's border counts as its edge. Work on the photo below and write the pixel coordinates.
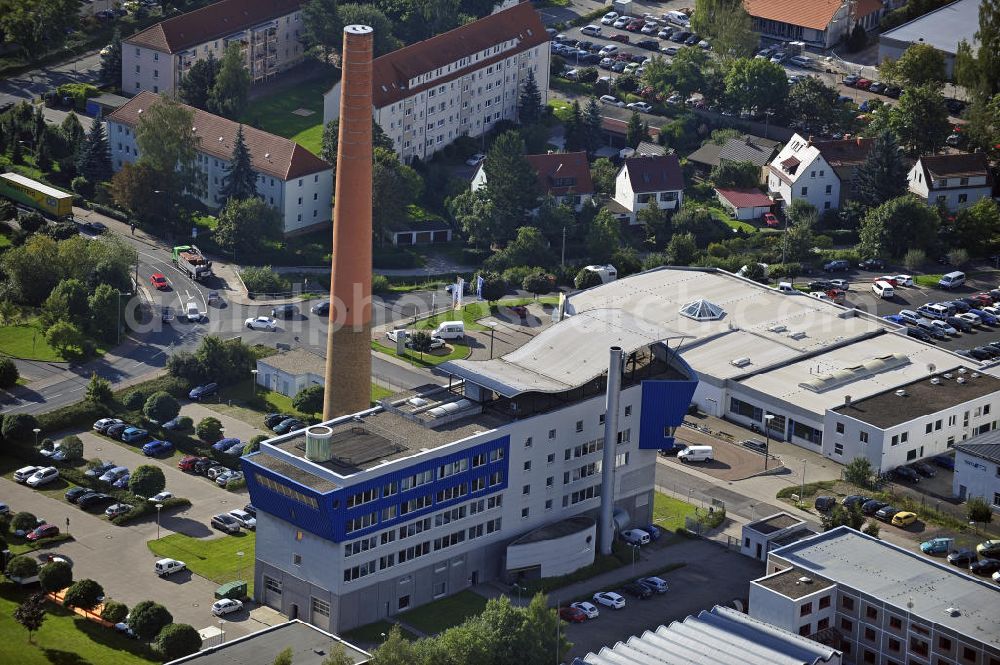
(272, 593)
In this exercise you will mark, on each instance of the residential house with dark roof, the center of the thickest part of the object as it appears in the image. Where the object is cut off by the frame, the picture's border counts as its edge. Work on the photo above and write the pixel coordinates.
(818, 23)
(819, 172)
(290, 179)
(977, 469)
(565, 176)
(459, 83)
(747, 148)
(269, 33)
(954, 181)
(647, 181)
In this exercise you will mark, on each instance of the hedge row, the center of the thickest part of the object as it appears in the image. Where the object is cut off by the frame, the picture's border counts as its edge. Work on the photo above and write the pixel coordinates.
(144, 508)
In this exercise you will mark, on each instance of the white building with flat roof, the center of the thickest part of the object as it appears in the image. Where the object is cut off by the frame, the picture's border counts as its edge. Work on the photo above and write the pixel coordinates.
(977, 469)
(943, 28)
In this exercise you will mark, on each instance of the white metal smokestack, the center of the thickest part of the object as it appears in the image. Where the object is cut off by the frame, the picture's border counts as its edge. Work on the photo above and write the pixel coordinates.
(607, 526)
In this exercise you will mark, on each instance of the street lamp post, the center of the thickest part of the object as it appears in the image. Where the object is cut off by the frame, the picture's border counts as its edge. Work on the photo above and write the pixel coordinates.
(239, 565)
(493, 329)
(158, 507)
(802, 490)
(517, 587)
(767, 437)
(254, 372)
(635, 548)
(36, 431)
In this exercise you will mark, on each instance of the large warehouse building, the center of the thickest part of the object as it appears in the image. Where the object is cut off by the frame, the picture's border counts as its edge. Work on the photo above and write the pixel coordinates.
(942, 28)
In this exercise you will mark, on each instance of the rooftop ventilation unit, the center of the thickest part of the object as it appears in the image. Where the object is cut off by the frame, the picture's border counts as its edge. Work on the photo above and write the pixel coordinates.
(797, 334)
(953, 611)
(948, 375)
(961, 379)
(935, 381)
(778, 328)
(417, 401)
(900, 393)
(740, 362)
(318, 448)
(975, 375)
(961, 370)
(805, 580)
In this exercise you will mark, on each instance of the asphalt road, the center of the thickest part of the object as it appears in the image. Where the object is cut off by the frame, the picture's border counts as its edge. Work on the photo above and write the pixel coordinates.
(85, 69)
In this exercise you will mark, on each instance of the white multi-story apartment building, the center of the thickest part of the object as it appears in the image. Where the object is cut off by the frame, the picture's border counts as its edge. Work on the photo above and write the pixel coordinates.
(268, 31)
(459, 83)
(818, 172)
(954, 181)
(878, 603)
(289, 178)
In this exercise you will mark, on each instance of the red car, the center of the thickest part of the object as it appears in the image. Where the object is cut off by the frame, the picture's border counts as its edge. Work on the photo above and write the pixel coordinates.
(159, 282)
(983, 299)
(572, 614)
(619, 38)
(770, 219)
(44, 531)
(187, 463)
(891, 281)
(863, 84)
(635, 26)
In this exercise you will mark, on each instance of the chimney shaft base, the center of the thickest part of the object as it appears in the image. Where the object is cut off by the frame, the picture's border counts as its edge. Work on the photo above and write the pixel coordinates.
(348, 372)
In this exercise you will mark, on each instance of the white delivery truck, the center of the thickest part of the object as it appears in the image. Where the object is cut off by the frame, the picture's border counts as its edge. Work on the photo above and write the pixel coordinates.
(695, 454)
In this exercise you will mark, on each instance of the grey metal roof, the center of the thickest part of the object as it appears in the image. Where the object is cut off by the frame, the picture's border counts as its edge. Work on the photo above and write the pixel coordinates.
(565, 356)
(720, 637)
(754, 149)
(985, 446)
(917, 585)
(943, 28)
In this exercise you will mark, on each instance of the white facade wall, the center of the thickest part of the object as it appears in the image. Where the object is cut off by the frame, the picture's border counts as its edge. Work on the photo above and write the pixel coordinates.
(575, 201)
(556, 556)
(626, 196)
(816, 183)
(975, 476)
(955, 194)
(784, 612)
(303, 202)
(284, 382)
(146, 69)
(470, 104)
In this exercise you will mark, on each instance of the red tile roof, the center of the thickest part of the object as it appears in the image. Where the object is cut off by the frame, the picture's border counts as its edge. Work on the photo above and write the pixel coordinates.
(863, 8)
(746, 198)
(563, 167)
(654, 174)
(269, 154)
(215, 21)
(391, 73)
(815, 14)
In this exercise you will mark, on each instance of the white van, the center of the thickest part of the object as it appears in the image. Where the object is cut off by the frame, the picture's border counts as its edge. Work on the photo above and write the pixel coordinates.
(952, 280)
(680, 18)
(883, 290)
(165, 567)
(786, 287)
(635, 537)
(696, 454)
(450, 330)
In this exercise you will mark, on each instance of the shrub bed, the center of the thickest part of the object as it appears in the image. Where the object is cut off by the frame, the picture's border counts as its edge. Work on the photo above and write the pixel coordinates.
(144, 508)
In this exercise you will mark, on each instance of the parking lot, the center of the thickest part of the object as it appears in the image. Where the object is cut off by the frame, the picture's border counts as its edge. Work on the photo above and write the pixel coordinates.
(730, 461)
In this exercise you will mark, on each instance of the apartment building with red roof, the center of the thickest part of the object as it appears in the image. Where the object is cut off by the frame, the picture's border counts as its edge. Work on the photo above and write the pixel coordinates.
(268, 31)
(461, 82)
(290, 179)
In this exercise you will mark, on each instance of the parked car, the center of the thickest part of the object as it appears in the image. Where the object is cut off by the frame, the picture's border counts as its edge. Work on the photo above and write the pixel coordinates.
(226, 606)
(25, 472)
(906, 474)
(886, 513)
(102, 425)
(924, 469)
(904, 518)
(223, 478)
(155, 448)
(945, 461)
(43, 531)
(118, 509)
(187, 463)
(261, 323)
(936, 545)
(161, 496)
(636, 590)
(871, 507)
(640, 106)
(122, 482)
(203, 465)
(836, 265)
(755, 445)
(42, 477)
(223, 444)
(854, 500)
(825, 503)
(215, 471)
(872, 264)
(173, 425)
(657, 584)
(235, 449)
(74, 493)
(989, 548)
(205, 390)
(111, 475)
(225, 523)
(165, 567)
(962, 557)
(132, 434)
(272, 419)
(475, 160)
(919, 333)
(323, 306)
(984, 566)
(285, 311)
(94, 500)
(251, 510)
(115, 431)
(572, 614)
(612, 100)
(245, 519)
(609, 599)
(288, 425)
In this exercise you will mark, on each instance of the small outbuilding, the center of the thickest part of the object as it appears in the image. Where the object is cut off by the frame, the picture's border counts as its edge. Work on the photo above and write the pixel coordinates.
(744, 204)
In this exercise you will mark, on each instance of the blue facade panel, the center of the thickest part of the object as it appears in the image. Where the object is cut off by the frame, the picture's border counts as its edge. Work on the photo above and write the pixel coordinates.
(330, 518)
(664, 405)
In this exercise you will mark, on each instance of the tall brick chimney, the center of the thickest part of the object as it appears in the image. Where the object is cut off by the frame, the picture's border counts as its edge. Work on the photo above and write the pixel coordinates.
(348, 345)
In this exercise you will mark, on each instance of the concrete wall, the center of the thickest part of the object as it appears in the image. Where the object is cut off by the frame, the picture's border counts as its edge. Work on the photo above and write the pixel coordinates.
(555, 556)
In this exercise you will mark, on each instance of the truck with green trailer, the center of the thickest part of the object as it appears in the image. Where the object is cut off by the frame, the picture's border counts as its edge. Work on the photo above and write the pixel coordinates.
(49, 201)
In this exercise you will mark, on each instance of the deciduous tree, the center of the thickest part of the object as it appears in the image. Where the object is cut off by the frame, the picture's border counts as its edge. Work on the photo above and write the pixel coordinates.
(920, 64)
(979, 71)
(681, 250)
(603, 236)
(322, 27)
(394, 187)
(84, 594)
(978, 510)
(741, 175)
(243, 224)
(309, 400)
(31, 613)
(177, 640)
(55, 576)
(603, 173)
(161, 406)
(105, 313)
(196, 86)
(147, 619)
(208, 430)
(898, 225)
(147, 480)
(9, 373)
(920, 120)
(111, 62)
(229, 93)
(167, 145)
(977, 227)
(812, 102)
(67, 302)
(64, 337)
(728, 25)
(756, 84)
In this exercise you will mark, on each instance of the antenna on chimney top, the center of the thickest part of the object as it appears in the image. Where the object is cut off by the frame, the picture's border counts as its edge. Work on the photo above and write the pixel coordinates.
(931, 368)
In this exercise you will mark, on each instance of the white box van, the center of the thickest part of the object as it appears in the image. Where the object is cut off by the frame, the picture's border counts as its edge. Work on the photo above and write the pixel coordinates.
(680, 18)
(450, 330)
(635, 537)
(883, 290)
(952, 280)
(696, 454)
(165, 567)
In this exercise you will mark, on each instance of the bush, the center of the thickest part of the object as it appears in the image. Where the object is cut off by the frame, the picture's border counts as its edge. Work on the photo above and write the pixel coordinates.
(8, 373)
(177, 640)
(147, 619)
(914, 259)
(22, 566)
(958, 257)
(147, 480)
(73, 447)
(380, 284)
(309, 400)
(236, 484)
(78, 93)
(184, 423)
(73, 415)
(23, 521)
(83, 594)
(263, 279)
(144, 508)
(209, 429)
(114, 611)
(56, 576)
(859, 472)
(161, 407)
(978, 510)
(18, 427)
(82, 186)
(135, 400)
(31, 222)
(586, 279)
(99, 390)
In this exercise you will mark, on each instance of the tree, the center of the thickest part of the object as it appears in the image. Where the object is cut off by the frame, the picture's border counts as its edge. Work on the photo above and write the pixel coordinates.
(882, 176)
(331, 138)
(95, 156)
(105, 318)
(494, 287)
(841, 516)
(394, 187)
(241, 181)
(31, 222)
(741, 175)
(657, 225)
(309, 400)
(920, 64)
(338, 656)
(586, 279)
(603, 236)
(871, 528)
(537, 282)
(63, 337)
(55, 576)
(243, 224)
(574, 131)
(72, 446)
(98, 390)
(31, 613)
(688, 71)
(603, 173)
(321, 27)
(22, 521)
(858, 38)
(371, 15)
(897, 225)
(811, 101)
(592, 130)
(73, 133)
(728, 25)
(528, 248)
(169, 147)
(84, 594)
(755, 272)
(161, 407)
(682, 249)
(477, 217)
(67, 302)
(227, 361)
(208, 430)
(196, 86)
(978, 227)
(284, 658)
(635, 133)
(421, 342)
(980, 73)
(177, 640)
(552, 217)
(111, 62)
(9, 373)
(38, 26)
(114, 611)
(133, 189)
(983, 127)
(978, 510)
(859, 472)
(228, 96)
(147, 480)
(511, 183)
(21, 566)
(920, 120)
(756, 85)
(529, 108)
(18, 427)
(147, 619)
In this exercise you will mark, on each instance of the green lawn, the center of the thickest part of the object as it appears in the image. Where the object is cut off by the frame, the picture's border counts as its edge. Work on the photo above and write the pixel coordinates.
(64, 639)
(669, 513)
(445, 613)
(27, 341)
(371, 634)
(458, 352)
(561, 109)
(927, 281)
(275, 113)
(214, 559)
